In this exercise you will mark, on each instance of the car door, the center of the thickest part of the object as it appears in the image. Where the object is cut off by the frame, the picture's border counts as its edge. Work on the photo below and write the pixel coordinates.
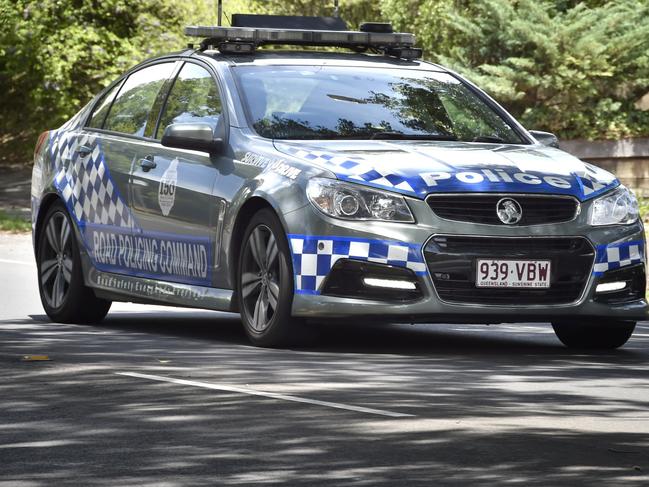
(122, 121)
(172, 189)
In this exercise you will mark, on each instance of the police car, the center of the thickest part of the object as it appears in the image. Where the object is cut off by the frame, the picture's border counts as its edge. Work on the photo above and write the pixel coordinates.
(305, 184)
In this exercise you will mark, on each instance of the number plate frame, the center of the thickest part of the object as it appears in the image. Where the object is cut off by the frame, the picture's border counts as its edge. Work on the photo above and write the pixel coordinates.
(512, 280)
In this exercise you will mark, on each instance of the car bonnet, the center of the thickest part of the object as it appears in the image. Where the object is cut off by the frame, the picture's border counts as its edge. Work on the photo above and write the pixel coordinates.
(417, 168)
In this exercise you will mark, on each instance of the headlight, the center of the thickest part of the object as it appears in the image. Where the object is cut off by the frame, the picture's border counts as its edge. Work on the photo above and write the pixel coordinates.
(616, 208)
(354, 202)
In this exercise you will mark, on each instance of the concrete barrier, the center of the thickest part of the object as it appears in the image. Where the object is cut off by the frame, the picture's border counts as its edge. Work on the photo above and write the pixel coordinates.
(628, 159)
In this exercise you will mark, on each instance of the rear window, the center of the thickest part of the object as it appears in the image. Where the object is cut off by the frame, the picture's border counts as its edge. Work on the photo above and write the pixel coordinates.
(130, 111)
(102, 107)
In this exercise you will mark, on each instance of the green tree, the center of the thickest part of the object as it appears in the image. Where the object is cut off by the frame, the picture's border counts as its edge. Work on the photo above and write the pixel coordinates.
(354, 12)
(575, 68)
(56, 54)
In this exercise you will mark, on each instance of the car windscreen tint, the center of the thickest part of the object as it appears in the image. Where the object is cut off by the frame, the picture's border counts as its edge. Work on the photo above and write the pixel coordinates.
(296, 102)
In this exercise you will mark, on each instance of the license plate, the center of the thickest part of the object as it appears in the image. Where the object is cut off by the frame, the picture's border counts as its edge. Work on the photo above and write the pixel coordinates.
(513, 273)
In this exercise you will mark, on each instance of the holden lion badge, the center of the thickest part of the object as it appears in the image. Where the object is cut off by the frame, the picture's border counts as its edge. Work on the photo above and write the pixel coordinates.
(509, 211)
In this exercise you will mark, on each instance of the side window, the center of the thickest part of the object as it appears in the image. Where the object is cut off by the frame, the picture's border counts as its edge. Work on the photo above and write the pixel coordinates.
(102, 107)
(194, 97)
(130, 111)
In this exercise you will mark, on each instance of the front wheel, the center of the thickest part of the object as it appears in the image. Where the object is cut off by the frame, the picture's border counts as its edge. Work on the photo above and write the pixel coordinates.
(265, 283)
(602, 336)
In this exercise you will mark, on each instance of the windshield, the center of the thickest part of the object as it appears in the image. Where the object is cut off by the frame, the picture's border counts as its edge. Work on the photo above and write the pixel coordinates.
(327, 102)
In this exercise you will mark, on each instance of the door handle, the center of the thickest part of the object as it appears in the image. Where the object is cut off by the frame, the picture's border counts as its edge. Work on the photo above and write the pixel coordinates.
(147, 163)
(84, 150)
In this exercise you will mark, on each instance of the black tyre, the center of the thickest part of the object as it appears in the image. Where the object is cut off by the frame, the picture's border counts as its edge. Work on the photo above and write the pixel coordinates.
(265, 283)
(64, 296)
(602, 336)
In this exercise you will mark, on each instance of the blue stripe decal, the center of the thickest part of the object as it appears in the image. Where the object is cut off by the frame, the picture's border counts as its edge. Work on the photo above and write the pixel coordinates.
(175, 258)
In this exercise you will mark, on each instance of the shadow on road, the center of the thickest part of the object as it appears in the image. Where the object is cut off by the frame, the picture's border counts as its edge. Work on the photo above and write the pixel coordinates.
(491, 405)
(379, 338)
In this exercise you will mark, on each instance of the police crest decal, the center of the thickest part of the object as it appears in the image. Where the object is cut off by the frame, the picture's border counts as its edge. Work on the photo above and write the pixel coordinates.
(167, 188)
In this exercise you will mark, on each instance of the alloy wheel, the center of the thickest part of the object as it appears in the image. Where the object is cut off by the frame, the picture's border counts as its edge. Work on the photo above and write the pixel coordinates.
(260, 278)
(55, 259)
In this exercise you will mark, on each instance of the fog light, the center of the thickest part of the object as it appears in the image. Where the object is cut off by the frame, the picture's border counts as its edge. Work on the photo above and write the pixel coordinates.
(369, 280)
(608, 287)
(389, 283)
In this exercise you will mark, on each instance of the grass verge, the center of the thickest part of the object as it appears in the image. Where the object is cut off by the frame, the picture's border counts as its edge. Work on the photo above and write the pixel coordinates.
(13, 223)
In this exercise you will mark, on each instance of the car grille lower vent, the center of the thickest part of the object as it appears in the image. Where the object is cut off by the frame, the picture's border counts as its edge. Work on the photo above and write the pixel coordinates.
(481, 208)
(451, 262)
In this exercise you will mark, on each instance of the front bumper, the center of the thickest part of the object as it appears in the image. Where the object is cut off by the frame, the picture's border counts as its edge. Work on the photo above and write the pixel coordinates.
(430, 310)
(320, 231)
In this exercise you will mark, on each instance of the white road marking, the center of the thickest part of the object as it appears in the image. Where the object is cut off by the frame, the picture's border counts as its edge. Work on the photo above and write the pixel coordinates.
(253, 392)
(19, 262)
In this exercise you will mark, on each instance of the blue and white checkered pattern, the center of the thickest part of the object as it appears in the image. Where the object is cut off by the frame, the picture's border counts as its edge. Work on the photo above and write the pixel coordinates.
(62, 143)
(84, 182)
(614, 256)
(314, 256)
(361, 169)
(589, 184)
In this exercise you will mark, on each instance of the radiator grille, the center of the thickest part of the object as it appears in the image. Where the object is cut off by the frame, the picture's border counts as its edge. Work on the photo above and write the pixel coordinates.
(481, 208)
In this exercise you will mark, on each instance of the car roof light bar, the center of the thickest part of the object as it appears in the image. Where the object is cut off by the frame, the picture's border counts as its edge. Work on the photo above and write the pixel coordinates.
(301, 37)
(300, 22)
(390, 42)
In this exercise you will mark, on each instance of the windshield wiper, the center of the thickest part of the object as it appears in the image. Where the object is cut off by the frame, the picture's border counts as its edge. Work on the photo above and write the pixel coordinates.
(347, 98)
(371, 136)
(489, 138)
(401, 136)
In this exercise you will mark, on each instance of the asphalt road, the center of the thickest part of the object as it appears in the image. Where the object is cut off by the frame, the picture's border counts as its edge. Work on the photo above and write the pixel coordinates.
(377, 406)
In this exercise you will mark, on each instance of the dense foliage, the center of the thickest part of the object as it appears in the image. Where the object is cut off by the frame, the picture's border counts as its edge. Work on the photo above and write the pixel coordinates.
(353, 11)
(573, 67)
(56, 54)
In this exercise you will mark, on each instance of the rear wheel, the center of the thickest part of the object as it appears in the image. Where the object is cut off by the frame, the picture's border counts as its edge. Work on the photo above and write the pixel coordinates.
(265, 283)
(64, 296)
(602, 336)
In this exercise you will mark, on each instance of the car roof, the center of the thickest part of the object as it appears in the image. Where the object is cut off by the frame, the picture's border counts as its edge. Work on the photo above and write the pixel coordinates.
(315, 58)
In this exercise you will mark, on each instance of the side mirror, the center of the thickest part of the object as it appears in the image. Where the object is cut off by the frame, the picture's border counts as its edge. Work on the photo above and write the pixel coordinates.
(192, 136)
(545, 138)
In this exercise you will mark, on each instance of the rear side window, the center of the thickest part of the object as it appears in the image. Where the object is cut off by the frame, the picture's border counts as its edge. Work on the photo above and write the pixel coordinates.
(194, 98)
(130, 111)
(102, 107)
